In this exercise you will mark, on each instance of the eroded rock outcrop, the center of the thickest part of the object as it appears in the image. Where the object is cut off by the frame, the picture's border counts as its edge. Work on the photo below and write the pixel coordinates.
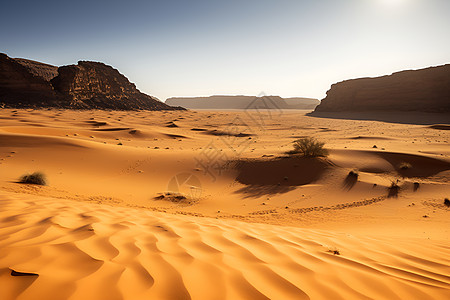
(88, 85)
(96, 85)
(46, 71)
(425, 90)
(20, 88)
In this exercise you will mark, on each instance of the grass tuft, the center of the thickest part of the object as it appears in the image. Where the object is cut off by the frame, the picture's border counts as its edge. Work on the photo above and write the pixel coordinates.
(38, 178)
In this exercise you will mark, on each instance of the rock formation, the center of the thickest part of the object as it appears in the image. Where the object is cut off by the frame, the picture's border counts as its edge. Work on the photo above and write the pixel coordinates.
(88, 85)
(301, 103)
(416, 90)
(96, 85)
(47, 72)
(20, 88)
(243, 102)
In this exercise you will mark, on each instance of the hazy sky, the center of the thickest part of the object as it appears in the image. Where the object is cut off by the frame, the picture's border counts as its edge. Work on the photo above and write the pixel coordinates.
(189, 48)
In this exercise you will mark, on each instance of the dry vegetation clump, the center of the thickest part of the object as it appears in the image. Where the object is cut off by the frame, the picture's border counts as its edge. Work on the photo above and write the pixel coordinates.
(334, 251)
(351, 179)
(393, 189)
(353, 174)
(405, 166)
(175, 198)
(38, 178)
(309, 147)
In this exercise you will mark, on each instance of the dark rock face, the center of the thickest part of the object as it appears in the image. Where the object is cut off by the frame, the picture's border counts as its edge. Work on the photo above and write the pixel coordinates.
(88, 85)
(243, 102)
(20, 88)
(418, 90)
(47, 72)
(96, 85)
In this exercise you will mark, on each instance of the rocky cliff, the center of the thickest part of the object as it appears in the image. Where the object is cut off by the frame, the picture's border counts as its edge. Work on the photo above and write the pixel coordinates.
(46, 71)
(417, 90)
(20, 88)
(243, 102)
(96, 85)
(88, 85)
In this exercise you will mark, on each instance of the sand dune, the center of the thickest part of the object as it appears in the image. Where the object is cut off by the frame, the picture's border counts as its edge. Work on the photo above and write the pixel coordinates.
(132, 211)
(88, 251)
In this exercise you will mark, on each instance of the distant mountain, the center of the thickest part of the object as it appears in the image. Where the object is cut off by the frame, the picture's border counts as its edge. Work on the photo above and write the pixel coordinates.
(414, 90)
(302, 103)
(88, 85)
(243, 102)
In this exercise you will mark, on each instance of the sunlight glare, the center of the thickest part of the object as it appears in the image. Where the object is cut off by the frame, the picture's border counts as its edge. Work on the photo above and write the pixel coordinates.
(393, 2)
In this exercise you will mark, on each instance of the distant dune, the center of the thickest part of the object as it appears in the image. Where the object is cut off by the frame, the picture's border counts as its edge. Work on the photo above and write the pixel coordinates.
(243, 102)
(424, 90)
(88, 85)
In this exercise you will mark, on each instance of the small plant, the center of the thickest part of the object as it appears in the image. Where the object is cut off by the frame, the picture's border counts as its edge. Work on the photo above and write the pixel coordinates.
(405, 166)
(38, 178)
(353, 174)
(393, 189)
(172, 197)
(335, 251)
(309, 147)
(447, 202)
(351, 179)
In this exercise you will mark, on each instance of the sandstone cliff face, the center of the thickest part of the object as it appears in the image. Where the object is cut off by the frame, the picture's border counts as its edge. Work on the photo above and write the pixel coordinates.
(419, 90)
(20, 88)
(88, 85)
(96, 85)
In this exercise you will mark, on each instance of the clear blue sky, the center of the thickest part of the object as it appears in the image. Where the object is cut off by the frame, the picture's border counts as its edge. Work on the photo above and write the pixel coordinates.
(188, 48)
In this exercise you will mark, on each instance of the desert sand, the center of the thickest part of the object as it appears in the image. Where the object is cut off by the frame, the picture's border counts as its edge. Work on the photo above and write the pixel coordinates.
(209, 205)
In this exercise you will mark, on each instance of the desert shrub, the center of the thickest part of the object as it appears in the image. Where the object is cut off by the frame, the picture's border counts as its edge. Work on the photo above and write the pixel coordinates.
(309, 147)
(353, 174)
(335, 251)
(405, 166)
(393, 189)
(38, 178)
(351, 179)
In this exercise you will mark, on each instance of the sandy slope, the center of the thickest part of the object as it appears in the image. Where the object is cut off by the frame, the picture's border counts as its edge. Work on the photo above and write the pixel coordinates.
(90, 251)
(102, 229)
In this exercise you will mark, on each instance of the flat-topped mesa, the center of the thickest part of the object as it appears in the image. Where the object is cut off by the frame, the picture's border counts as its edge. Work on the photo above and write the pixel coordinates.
(426, 90)
(243, 102)
(88, 85)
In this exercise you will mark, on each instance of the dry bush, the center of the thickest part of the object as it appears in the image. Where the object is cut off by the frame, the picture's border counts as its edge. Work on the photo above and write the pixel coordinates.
(393, 189)
(405, 166)
(38, 178)
(309, 147)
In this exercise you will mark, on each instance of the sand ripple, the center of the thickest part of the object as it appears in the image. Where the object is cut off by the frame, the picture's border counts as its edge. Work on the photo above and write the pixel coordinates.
(89, 251)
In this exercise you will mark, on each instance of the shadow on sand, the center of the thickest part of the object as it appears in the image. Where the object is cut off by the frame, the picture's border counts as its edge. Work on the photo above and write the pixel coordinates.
(277, 175)
(418, 118)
